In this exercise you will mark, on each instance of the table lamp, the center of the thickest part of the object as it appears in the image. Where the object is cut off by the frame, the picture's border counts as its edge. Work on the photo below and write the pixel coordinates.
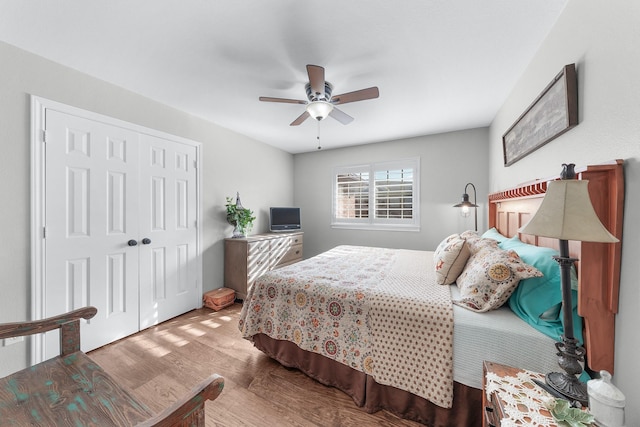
(566, 213)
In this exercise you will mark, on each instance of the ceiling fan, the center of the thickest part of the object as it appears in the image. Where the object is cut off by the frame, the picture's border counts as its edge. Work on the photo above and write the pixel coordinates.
(320, 103)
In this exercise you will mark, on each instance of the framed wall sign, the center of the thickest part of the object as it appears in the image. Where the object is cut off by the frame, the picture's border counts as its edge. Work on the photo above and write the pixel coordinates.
(554, 112)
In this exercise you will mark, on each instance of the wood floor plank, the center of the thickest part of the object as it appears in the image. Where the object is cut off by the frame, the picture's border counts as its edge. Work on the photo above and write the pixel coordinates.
(161, 363)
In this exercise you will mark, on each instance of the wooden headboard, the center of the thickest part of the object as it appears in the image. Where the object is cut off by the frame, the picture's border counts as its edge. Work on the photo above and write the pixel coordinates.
(599, 263)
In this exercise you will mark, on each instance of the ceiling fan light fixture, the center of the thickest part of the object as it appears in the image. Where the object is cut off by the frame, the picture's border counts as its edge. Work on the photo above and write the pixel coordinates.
(319, 110)
(320, 101)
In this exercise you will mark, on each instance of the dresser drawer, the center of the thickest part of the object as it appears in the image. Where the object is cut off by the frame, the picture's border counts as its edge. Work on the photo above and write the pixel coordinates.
(256, 247)
(284, 241)
(296, 239)
(293, 254)
(257, 265)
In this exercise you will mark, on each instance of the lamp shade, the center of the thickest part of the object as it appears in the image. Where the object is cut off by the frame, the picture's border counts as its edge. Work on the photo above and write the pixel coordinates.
(566, 213)
(319, 109)
(465, 202)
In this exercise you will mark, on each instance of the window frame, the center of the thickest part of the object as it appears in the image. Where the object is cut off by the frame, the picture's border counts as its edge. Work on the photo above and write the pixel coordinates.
(373, 223)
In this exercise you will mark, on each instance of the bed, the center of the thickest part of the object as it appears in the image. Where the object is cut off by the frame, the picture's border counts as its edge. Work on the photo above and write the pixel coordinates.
(378, 324)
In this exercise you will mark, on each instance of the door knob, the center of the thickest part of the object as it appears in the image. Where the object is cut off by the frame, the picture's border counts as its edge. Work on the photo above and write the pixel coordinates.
(132, 242)
(146, 241)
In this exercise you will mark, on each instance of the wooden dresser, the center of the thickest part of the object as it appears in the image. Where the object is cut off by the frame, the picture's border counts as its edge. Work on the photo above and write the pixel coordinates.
(245, 259)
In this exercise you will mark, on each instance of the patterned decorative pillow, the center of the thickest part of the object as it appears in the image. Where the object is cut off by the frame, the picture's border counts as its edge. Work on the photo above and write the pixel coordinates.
(469, 234)
(449, 259)
(475, 242)
(490, 277)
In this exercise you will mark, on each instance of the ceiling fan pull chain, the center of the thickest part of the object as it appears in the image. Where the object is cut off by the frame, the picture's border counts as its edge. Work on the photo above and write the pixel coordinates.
(318, 137)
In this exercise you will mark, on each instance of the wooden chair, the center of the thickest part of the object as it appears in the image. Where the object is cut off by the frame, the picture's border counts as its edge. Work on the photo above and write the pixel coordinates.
(71, 389)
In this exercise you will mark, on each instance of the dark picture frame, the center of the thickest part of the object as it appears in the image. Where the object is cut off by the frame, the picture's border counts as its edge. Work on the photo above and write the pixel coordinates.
(554, 112)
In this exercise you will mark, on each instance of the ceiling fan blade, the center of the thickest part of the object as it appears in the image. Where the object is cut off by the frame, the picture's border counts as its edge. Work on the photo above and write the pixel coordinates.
(358, 95)
(316, 78)
(341, 116)
(301, 118)
(285, 100)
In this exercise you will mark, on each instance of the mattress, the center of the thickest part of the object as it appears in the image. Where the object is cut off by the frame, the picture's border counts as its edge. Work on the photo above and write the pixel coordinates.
(498, 336)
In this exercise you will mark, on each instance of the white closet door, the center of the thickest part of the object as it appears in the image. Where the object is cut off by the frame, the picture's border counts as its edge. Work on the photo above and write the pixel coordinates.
(91, 212)
(168, 256)
(119, 213)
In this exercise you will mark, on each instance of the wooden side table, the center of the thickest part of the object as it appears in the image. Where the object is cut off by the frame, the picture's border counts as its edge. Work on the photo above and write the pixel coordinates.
(509, 393)
(492, 405)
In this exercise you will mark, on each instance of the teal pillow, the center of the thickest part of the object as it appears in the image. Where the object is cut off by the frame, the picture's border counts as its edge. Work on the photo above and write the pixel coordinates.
(494, 234)
(538, 300)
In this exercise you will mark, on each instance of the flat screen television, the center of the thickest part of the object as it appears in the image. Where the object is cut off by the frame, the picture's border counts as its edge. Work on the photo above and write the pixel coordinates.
(284, 219)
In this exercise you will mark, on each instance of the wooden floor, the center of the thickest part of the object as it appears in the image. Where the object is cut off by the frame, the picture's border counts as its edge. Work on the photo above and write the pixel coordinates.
(161, 363)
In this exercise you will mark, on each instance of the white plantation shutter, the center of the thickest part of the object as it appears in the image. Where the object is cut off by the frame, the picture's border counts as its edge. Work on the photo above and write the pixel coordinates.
(377, 196)
(352, 195)
(394, 193)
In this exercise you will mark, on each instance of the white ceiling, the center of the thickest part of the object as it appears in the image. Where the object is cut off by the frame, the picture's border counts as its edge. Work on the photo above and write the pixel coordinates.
(440, 65)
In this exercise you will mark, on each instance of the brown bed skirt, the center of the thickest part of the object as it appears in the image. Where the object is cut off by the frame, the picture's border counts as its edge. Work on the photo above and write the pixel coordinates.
(371, 396)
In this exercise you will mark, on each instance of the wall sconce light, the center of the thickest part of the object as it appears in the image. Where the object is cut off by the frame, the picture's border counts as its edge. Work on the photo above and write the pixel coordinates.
(466, 205)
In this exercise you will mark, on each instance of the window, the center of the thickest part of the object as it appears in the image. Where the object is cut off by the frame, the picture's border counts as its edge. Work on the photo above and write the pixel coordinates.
(379, 196)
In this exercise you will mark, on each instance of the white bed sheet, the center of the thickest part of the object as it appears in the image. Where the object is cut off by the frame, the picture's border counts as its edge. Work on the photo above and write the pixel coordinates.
(497, 336)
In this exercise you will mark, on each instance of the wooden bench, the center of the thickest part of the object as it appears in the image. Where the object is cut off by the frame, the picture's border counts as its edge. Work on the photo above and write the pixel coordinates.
(72, 390)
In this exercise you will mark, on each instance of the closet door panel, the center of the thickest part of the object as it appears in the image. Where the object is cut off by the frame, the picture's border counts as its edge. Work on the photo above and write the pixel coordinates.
(168, 262)
(91, 212)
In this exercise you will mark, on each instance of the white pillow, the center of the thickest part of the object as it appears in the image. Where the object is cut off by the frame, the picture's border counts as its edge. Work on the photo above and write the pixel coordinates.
(450, 258)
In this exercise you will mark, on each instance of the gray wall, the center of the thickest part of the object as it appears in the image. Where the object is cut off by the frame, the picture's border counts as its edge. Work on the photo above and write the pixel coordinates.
(603, 40)
(230, 163)
(447, 162)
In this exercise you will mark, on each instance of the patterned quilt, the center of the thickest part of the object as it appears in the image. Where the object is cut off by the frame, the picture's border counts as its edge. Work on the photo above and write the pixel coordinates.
(376, 310)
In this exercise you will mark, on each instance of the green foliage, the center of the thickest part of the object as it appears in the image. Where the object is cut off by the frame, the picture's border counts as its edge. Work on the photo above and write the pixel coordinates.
(240, 217)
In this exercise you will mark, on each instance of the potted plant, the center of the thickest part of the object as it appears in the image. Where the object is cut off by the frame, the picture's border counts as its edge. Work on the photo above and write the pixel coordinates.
(240, 217)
